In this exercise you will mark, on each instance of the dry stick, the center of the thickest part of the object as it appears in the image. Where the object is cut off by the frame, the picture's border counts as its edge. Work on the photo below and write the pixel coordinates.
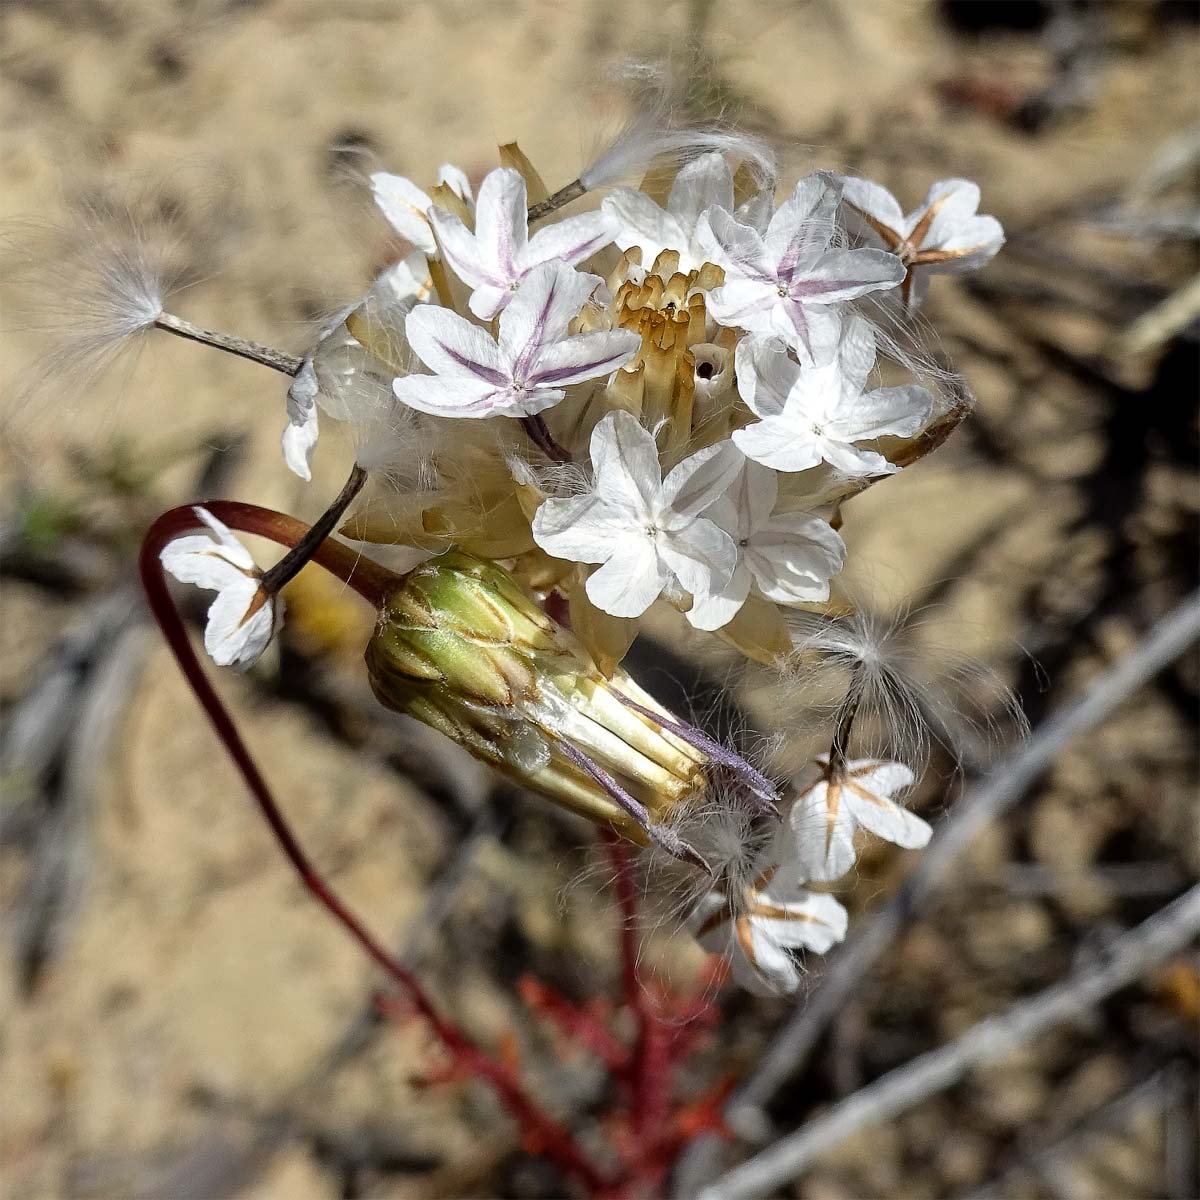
(286, 364)
(556, 1140)
(973, 813)
(1164, 934)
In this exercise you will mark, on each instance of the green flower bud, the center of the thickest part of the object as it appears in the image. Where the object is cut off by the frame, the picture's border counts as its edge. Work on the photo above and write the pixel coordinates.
(462, 647)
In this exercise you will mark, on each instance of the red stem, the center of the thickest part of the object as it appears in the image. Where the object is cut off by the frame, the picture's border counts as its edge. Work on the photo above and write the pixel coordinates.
(372, 582)
(648, 1082)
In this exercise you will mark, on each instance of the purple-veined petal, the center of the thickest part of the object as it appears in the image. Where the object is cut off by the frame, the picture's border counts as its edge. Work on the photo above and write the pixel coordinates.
(584, 356)
(736, 248)
(538, 315)
(803, 226)
(630, 581)
(815, 330)
(450, 395)
(840, 275)
(461, 251)
(572, 239)
(745, 304)
(502, 222)
(451, 345)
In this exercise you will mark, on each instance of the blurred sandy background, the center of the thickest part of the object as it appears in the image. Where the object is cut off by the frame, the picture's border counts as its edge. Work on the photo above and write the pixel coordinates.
(178, 1019)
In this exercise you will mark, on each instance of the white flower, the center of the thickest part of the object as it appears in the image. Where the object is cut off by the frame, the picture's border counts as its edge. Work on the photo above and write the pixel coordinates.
(817, 413)
(817, 837)
(944, 235)
(243, 618)
(500, 253)
(701, 184)
(788, 281)
(527, 368)
(407, 207)
(758, 936)
(340, 374)
(644, 529)
(791, 556)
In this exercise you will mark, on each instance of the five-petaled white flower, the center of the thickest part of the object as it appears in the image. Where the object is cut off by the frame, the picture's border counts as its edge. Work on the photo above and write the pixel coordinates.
(817, 837)
(776, 917)
(500, 253)
(701, 184)
(788, 282)
(643, 528)
(243, 617)
(406, 206)
(817, 413)
(790, 556)
(526, 369)
(944, 235)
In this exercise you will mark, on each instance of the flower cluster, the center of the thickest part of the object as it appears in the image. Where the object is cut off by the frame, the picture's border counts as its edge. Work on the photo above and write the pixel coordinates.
(663, 400)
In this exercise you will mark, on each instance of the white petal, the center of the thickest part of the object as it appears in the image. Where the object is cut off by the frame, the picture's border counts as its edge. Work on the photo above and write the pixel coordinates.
(874, 201)
(699, 480)
(745, 304)
(815, 330)
(452, 346)
(630, 581)
(776, 443)
(462, 253)
(855, 356)
(765, 374)
(794, 557)
(895, 411)
(538, 315)
(957, 200)
(456, 179)
(884, 818)
(803, 226)
(699, 184)
(701, 555)
(755, 493)
(450, 395)
(840, 275)
(817, 843)
(405, 206)
(572, 239)
(579, 529)
(714, 610)
(817, 921)
(736, 248)
(403, 284)
(501, 221)
(776, 969)
(976, 241)
(757, 211)
(299, 439)
(853, 461)
(233, 638)
(625, 467)
(584, 356)
(640, 222)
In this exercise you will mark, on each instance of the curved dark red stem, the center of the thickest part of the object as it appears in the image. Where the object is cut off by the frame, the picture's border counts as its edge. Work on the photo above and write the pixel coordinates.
(371, 581)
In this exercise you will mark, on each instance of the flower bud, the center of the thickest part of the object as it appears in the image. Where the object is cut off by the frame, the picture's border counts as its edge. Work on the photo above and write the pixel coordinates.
(463, 648)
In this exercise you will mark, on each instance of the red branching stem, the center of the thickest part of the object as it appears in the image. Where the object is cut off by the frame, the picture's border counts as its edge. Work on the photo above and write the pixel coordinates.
(649, 1081)
(372, 582)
